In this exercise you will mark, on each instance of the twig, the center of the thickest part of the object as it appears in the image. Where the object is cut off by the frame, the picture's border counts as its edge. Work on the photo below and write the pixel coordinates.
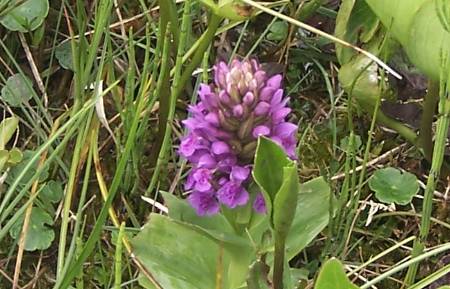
(34, 68)
(370, 163)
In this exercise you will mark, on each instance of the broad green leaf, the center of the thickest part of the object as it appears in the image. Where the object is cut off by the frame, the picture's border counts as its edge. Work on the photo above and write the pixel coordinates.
(355, 23)
(285, 202)
(7, 129)
(332, 276)
(270, 160)
(311, 217)
(418, 27)
(180, 210)
(63, 53)
(27, 16)
(393, 186)
(179, 257)
(144, 282)
(443, 12)
(40, 235)
(397, 15)
(17, 90)
(52, 192)
(444, 287)
(217, 228)
(360, 78)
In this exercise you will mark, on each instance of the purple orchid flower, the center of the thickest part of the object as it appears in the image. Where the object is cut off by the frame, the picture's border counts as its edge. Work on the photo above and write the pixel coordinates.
(242, 104)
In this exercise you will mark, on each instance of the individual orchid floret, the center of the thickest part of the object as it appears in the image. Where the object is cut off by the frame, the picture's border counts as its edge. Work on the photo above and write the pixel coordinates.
(242, 103)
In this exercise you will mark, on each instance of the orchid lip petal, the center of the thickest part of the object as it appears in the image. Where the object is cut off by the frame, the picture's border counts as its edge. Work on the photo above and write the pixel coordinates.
(220, 147)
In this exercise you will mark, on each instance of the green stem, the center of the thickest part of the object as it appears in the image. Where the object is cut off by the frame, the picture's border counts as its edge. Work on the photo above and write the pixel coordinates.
(159, 85)
(278, 263)
(436, 164)
(425, 140)
(118, 258)
(400, 267)
(207, 39)
(180, 81)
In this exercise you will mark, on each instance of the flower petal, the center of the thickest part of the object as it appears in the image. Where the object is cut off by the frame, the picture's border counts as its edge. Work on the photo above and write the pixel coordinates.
(204, 203)
(220, 147)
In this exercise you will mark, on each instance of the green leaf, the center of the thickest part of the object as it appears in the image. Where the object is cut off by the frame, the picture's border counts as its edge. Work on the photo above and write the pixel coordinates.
(52, 192)
(345, 144)
(258, 275)
(270, 160)
(40, 235)
(443, 12)
(312, 215)
(27, 16)
(15, 156)
(392, 186)
(285, 203)
(63, 53)
(355, 23)
(278, 31)
(4, 156)
(17, 169)
(17, 90)
(332, 276)
(10, 158)
(180, 210)
(216, 227)
(419, 28)
(7, 129)
(180, 257)
(144, 282)
(229, 9)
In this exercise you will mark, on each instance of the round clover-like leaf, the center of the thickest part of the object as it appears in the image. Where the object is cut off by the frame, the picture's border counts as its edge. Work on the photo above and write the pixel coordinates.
(278, 31)
(345, 144)
(52, 192)
(393, 186)
(63, 53)
(17, 170)
(27, 16)
(15, 156)
(40, 235)
(17, 90)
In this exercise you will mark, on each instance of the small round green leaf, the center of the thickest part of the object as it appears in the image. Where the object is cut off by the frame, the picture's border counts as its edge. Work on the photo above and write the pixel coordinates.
(40, 235)
(15, 156)
(17, 170)
(52, 192)
(345, 144)
(393, 186)
(17, 90)
(26, 17)
(278, 31)
(63, 53)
